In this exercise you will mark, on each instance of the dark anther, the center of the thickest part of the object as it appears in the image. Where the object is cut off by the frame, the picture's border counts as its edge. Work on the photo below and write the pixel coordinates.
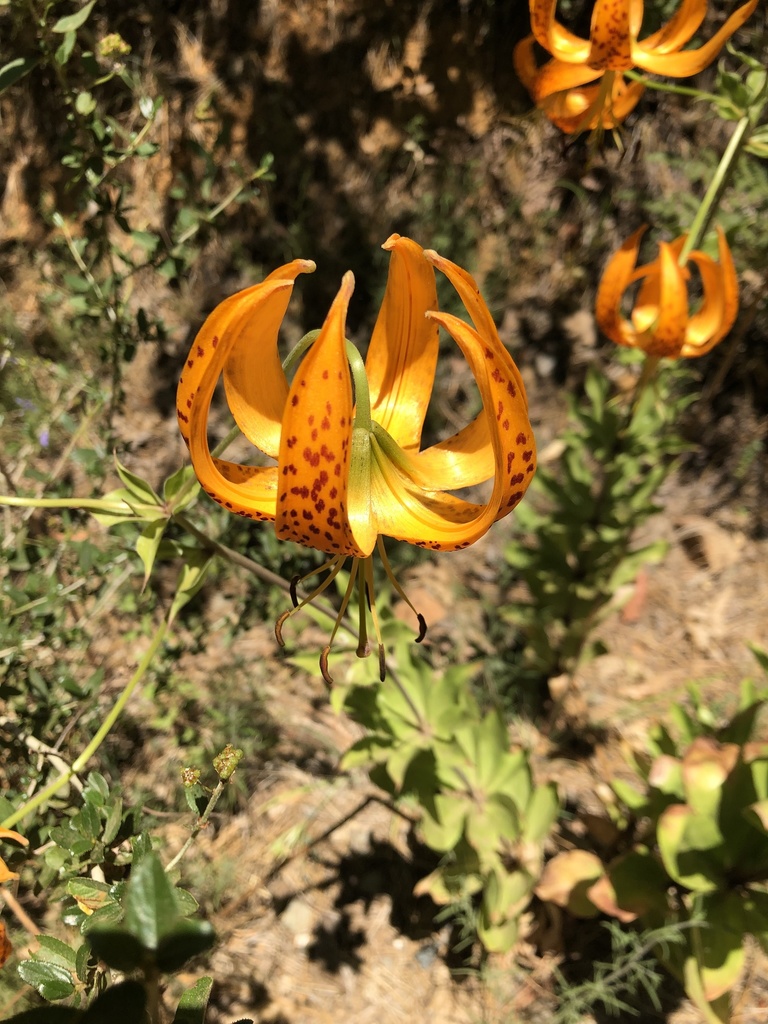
(324, 666)
(382, 664)
(294, 583)
(279, 628)
(422, 627)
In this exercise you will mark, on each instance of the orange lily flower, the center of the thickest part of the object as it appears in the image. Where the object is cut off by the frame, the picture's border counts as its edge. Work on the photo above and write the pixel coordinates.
(346, 437)
(564, 84)
(580, 106)
(661, 323)
(6, 833)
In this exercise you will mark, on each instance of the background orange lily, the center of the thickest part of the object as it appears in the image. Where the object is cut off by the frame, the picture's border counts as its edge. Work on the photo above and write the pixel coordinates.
(661, 323)
(613, 47)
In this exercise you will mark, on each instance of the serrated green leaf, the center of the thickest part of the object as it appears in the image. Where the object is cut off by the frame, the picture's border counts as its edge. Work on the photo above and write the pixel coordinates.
(54, 951)
(51, 981)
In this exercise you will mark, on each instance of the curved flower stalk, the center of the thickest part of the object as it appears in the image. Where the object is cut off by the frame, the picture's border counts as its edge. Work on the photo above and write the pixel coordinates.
(661, 323)
(587, 73)
(346, 436)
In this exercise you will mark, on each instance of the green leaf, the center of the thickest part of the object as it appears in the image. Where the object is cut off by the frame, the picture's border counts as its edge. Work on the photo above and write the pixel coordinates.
(188, 939)
(64, 51)
(73, 21)
(117, 948)
(148, 543)
(177, 482)
(113, 822)
(138, 487)
(54, 951)
(194, 1002)
(51, 981)
(193, 575)
(11, 72)
(124, 1003)
(151, 907)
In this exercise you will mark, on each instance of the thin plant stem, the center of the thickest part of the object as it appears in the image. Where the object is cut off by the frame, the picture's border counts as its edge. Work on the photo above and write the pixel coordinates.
(680, 90)
(717, 186)
(79, 763)
(200, 824)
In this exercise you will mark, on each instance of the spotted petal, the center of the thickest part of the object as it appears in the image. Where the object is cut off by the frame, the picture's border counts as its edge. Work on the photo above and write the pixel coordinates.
(316, 446)
(440, 521)
(245, 490)
(253, 374)
(680, 28)
(467, 457)
(616, 277)
(715, 318)
(550, 34)
(661, 307)
(690, 62)
(614, 22)
(403, 351)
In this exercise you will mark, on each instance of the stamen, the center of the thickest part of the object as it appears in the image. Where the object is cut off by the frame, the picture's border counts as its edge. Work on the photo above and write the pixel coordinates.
(371, 595)
(295, 580)
(324, 665)
(391, 576)
(334, 565)
(345, 601)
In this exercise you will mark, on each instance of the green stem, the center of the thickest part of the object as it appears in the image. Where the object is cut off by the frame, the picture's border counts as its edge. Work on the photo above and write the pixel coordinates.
(680, 90)
(717, 186)
(200, 824)
(77, 765)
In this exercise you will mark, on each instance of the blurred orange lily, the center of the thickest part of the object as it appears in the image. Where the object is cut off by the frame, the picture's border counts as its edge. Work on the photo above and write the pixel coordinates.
(346, 437)
(581, 106)
(661, 323)
(612, 48)
(6, 833)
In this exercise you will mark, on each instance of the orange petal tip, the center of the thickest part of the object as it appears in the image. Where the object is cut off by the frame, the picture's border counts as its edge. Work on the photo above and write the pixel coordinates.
(391, 242)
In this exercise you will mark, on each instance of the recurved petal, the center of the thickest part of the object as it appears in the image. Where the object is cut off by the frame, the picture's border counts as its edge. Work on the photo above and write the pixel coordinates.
(484, 323)
(667, 295)
(611, 35)
(557, 77)
(315, 446)
(550, 34)
(691, 62)
(462, 460)
(434, 519)
(524, 61)
(616, 277)
(402, 355)
(265, 303)
(715, 318)
(253, 374)
(679, 29)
